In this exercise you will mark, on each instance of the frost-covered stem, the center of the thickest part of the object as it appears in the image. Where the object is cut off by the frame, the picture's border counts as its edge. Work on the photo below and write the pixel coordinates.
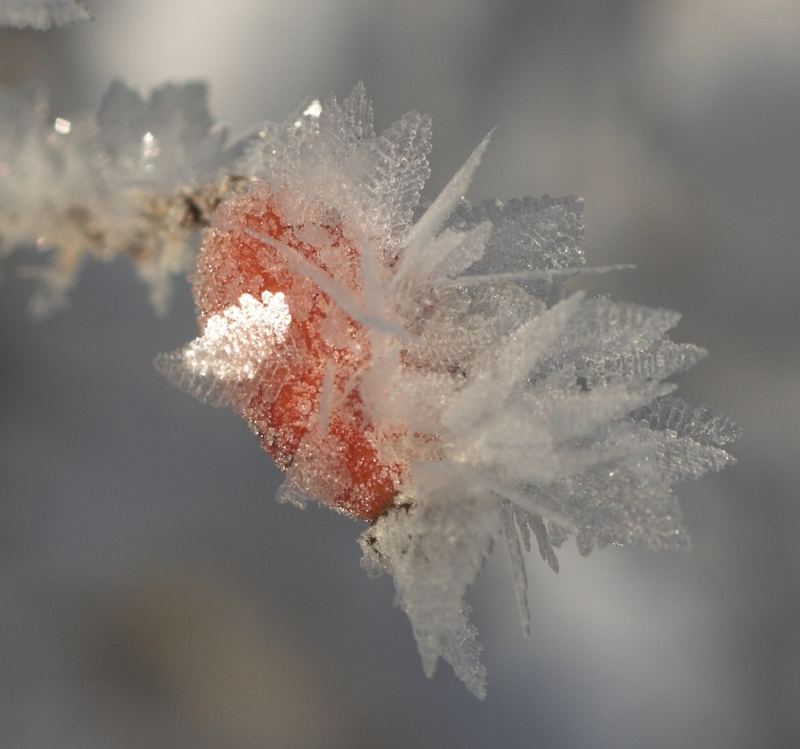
(157, 234)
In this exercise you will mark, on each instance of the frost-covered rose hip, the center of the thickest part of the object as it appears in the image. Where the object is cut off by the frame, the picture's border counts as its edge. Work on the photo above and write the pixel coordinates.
(427, 370)
(306, 392)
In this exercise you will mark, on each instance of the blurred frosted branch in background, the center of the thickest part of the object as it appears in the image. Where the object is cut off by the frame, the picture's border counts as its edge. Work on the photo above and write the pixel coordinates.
(137, 180)
(41, 14)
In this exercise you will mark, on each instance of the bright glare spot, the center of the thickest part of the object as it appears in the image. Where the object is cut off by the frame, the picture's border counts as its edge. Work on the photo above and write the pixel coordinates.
(235, 342)
(314, 109)
(150, 147)
(62, 126)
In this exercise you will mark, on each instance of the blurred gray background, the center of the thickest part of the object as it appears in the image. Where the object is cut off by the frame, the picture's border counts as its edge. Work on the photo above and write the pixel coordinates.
(152, 594)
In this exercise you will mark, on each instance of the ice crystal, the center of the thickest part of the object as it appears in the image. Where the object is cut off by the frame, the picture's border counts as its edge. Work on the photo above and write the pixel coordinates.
(136, 180)
(434, 376)
(41, 14)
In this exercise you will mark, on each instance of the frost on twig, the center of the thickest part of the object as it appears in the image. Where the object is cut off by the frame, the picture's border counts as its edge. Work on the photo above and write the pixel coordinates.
(435, 377)
(137, 180)
(41, 14)
(425, 370)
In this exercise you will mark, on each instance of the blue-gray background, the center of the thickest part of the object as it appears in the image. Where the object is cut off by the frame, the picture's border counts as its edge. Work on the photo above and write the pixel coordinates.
(153, 594)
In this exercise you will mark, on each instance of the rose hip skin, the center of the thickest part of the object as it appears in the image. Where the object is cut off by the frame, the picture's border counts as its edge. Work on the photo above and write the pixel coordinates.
(232, 263)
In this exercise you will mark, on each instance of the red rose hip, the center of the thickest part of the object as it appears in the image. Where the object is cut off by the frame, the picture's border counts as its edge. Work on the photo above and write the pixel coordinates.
(307, 410)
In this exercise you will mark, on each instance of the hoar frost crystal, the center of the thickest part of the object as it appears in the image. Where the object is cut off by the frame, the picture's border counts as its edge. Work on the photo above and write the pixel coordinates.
(421, 368)
(137, 179)
(425, 370)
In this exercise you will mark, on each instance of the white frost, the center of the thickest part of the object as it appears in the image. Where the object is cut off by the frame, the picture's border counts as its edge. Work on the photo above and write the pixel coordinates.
(520, 411)
(236, 341)
(515, 409)
(135, 179)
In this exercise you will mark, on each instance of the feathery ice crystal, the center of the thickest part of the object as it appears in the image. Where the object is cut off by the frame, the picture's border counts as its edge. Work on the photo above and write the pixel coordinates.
(426, 371)
(138, 179)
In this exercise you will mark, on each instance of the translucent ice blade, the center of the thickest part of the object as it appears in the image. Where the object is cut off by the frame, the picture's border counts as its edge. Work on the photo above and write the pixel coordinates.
(508, 363)
(369, 273)
(702, 424)
(205, 388)
(466, 253)
(527, 234)
(578, 414)
(462, 650)
(534, 275)
(532, 502)
(340, 294)
(528, 522)
(350, 122)
(434, 552)
(517, 562)
(398, 170)
(449, 254)
(423, 232)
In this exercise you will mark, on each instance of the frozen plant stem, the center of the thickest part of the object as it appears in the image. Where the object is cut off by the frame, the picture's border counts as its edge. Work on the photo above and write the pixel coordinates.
(139, 179)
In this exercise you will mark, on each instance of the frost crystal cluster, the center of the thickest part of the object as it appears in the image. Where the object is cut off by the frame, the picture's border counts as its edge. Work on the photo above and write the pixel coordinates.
(424, 368)
(136, 180)
(41, 14)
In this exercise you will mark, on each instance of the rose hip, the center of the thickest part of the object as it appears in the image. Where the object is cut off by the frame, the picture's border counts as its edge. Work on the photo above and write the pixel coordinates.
(285, 412)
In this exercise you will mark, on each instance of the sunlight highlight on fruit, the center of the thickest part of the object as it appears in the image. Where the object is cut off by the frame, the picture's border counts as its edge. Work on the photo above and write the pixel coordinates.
(309, 389)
